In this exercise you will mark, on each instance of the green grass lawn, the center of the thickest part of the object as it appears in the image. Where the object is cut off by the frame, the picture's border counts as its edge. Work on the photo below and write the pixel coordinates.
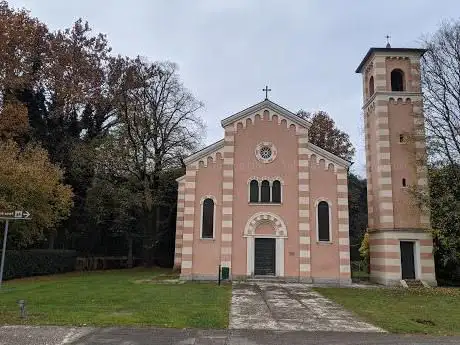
(431, 311)
(121, 297)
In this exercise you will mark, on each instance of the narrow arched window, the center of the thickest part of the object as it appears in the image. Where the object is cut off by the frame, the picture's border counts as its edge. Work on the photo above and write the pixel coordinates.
(404, 183)
(397, 80)
(254, 191)
(265, 191)
(323, 222)
(276, 191)
(371, 85)
(207, 220)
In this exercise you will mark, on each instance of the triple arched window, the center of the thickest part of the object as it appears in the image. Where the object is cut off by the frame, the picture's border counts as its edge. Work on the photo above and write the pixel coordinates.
(265, 191)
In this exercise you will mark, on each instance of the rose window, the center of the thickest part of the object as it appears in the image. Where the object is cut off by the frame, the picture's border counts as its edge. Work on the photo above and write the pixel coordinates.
(266, 152)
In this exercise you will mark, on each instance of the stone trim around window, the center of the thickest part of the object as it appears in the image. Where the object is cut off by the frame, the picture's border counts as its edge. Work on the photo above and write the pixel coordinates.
(262, 149)
(213, 198)
(317, 220)
(259, 182)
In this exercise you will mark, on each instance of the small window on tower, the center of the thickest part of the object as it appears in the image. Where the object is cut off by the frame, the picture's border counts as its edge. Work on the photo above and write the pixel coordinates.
(371, 86)
(404, 182)
(397, 80)
(401, 138)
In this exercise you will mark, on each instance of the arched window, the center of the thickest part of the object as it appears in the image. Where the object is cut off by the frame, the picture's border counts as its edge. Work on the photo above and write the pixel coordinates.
(397, 80)
(404, 183)
(371, 85)
(207, 220)
(276, 191)
(254, 191)
(323, 222)
(265, 191)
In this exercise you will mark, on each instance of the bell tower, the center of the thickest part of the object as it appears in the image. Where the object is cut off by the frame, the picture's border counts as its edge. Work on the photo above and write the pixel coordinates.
(400, 243)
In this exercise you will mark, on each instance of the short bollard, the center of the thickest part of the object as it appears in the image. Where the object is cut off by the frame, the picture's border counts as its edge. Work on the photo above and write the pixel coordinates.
(22, 308)
(219, 275)
(224, 274)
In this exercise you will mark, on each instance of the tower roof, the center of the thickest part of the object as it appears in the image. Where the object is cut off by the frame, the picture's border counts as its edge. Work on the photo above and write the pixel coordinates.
(390, 50)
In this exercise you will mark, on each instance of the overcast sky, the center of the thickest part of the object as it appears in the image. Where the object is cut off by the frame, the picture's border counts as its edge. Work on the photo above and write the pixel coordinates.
(227, 50)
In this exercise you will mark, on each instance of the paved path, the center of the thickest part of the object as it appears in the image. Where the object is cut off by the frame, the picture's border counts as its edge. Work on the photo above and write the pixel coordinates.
(290, 307)
(31, 335)
(21, 335)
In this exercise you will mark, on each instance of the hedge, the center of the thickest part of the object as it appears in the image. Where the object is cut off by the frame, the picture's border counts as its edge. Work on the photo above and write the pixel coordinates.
(27, 263)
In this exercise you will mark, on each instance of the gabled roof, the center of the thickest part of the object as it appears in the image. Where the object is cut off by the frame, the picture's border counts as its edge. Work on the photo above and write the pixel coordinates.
(205, 151)
(329, 155)
(390, 50)
(220, 144)
(266, 104)
(180, 178)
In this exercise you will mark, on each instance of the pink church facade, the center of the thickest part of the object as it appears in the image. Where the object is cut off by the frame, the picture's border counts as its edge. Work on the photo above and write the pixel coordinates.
(264, 201)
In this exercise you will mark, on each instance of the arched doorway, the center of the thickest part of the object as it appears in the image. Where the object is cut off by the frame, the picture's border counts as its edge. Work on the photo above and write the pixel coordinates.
(265, 233)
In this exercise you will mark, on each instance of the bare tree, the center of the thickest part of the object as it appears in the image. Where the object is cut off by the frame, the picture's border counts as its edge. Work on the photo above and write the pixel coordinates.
(441, 86)
(157, 126)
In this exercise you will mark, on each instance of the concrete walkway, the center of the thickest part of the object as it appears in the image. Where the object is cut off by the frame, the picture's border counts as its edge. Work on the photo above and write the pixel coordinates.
(289, 307)
(26, 335)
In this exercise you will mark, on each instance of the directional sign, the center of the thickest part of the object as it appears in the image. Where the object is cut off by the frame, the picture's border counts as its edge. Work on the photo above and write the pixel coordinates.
(7, 216)
(14, 215)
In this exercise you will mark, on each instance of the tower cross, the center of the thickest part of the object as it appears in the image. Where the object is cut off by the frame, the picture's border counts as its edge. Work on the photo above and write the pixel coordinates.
(388, 40)
(266, 91)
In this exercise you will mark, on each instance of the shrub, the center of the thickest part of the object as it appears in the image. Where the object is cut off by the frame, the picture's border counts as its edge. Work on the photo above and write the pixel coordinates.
(27, 263)
(364, 249)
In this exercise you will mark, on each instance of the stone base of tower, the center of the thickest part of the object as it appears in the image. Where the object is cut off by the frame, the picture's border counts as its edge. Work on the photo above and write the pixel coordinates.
(397, 254)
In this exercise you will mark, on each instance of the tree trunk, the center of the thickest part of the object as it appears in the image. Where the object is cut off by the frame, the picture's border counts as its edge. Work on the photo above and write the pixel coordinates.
(51, 238)
(130, 252)
(156, 223)
(150, 225)
(148, 228)
(154, 214)
(147, 240)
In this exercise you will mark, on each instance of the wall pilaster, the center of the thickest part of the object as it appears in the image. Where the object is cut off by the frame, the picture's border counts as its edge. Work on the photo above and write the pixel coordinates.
(189, 222)
(179, 223)
(304, 206)
(227, 198)
(343, 224)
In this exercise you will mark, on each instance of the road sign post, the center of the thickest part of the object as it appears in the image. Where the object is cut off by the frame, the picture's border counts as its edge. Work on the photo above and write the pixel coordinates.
(7, 216)
(5, 236)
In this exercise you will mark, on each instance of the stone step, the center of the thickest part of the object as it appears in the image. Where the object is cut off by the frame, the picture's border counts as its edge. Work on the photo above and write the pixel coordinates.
(269, 279)
(414, 283)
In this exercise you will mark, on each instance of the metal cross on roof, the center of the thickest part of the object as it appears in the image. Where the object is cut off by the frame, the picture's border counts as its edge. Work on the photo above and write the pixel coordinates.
(266, 91)
(388, 41)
